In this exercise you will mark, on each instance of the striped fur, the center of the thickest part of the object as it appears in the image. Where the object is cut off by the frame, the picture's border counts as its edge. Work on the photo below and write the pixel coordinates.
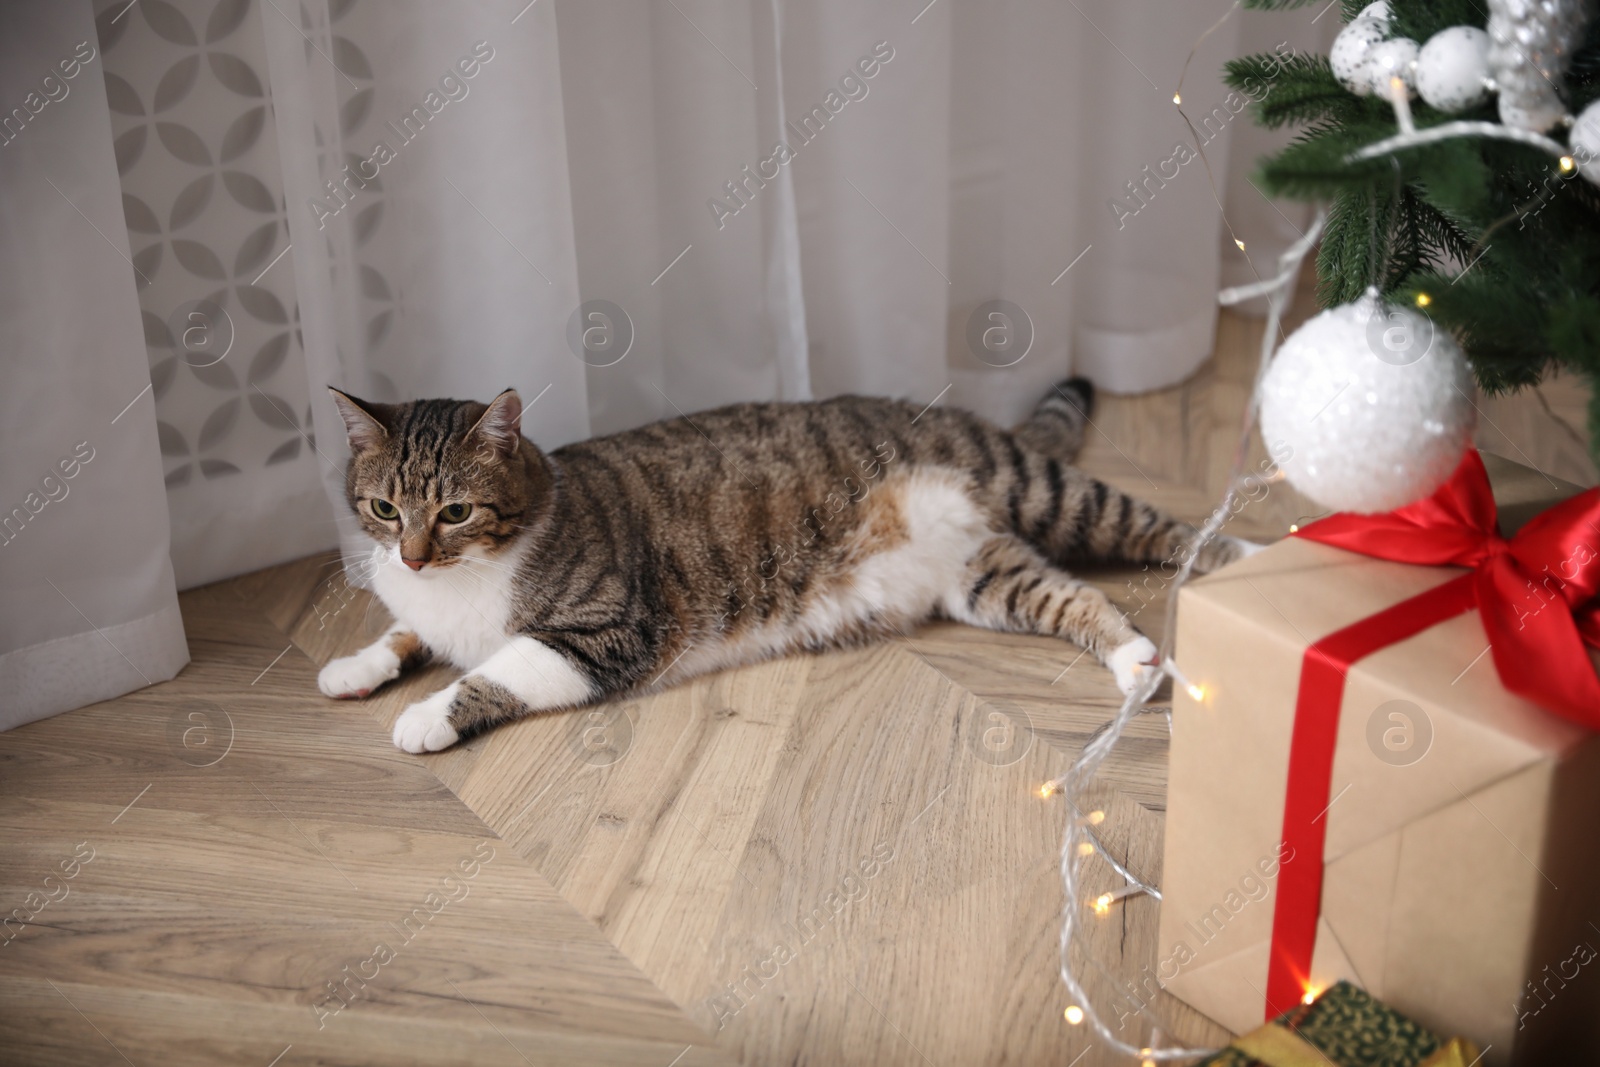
(693, 544)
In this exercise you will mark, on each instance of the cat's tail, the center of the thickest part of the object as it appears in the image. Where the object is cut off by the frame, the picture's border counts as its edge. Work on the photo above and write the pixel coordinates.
(1057, 426)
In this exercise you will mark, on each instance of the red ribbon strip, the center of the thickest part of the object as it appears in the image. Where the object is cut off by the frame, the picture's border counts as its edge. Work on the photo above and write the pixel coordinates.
(1536, 594)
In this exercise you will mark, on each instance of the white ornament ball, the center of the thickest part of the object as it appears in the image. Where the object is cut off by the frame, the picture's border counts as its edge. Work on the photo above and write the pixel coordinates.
(1531, 45)
(1352, 51)
(1369, 405)
(1584, 142)
(1390, 59)
(1378, 11)
(1453, 69)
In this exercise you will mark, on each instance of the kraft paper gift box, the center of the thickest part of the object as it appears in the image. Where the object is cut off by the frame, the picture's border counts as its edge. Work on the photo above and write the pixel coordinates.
(1461, 880)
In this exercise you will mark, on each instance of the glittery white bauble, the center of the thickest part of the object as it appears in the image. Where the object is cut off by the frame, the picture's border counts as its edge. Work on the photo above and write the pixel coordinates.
(1530, 48)
(1453, 69)
(1351, 52)
(1393, 58)
(1585, 142)
(1371, 406)
(1378, 11)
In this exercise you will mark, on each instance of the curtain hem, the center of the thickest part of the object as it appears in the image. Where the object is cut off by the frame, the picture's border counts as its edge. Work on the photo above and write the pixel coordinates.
(79, 669)
(1121, 362)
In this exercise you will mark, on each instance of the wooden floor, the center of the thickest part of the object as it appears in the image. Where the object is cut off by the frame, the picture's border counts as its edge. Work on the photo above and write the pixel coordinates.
(826, 860)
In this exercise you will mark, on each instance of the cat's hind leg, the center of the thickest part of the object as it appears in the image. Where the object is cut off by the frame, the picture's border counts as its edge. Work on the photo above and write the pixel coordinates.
(524, 677)
(353, 677)
(1007, 585)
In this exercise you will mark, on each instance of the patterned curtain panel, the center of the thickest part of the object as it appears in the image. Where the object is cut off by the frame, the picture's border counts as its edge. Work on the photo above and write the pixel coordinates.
(203, 203)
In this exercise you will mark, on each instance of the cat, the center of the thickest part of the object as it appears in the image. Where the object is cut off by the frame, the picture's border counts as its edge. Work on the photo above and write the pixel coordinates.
(637, 560)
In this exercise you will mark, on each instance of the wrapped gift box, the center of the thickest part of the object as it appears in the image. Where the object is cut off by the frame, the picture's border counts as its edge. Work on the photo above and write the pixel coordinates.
(1343, 1027)
(1462, 855)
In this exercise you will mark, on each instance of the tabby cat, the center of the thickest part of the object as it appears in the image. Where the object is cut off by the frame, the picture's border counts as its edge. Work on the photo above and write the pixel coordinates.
(637, 560)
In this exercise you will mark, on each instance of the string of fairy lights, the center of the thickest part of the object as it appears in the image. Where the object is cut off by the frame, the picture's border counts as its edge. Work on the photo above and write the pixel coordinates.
(1081, 839)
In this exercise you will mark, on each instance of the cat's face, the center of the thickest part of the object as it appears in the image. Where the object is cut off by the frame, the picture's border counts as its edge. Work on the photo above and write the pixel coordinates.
(439, 481)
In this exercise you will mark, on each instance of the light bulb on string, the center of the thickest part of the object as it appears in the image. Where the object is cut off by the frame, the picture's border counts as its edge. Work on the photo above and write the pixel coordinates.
(1102, 903)
(1196, 692)
(1400, 98)
(1294, 527)
(1074, 1015)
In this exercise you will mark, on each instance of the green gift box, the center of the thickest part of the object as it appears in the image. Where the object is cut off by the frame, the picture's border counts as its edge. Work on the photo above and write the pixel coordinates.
(1344, 1027)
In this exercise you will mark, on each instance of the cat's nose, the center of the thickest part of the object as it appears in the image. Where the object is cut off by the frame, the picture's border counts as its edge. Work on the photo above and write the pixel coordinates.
(414, 564)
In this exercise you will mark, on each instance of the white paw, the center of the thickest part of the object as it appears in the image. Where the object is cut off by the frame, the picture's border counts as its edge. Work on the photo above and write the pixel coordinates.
(425, 725)
(360, 674)
(1129, 661)
(1245, 548)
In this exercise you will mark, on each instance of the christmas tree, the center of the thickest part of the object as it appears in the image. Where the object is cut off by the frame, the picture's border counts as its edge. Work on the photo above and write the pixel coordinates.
(1497, 241)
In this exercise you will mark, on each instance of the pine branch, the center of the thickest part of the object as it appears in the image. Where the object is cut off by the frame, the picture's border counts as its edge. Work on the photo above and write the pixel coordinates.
(1498, 320)
(1594, 412)
(1451, 236)
(1574, 331)
(1455, 179)
(1298, 89)
(1421, 19)
(1316, 165)
(1345, 264)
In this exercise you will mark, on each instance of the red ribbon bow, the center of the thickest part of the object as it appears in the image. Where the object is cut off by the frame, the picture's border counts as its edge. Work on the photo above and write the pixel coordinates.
(1536, 594)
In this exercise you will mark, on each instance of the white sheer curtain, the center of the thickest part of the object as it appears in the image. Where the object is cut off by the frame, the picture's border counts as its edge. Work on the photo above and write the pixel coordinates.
(935, 159)
(627, 209)
(90, 610)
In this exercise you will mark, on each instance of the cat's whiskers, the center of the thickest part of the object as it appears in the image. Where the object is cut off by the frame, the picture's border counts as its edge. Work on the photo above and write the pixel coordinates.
(480, 582)
(366, 614)
(484, 585)
(476, 560)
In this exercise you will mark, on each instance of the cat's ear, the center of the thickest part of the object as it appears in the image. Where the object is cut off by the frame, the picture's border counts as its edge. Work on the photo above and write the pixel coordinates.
(501, 425)
(363, 421)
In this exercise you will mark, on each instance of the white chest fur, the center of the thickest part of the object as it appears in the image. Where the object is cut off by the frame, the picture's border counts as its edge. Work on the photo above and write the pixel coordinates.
(462, 613)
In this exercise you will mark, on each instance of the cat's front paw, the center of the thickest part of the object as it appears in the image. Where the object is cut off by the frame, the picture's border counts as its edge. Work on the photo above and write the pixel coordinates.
(1130, 660)
(425, 725)
(1224, 550)
(349, 677)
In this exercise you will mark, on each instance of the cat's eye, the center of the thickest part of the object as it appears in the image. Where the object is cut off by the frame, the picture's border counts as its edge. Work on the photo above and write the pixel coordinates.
(453, 513)
(385, 510)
